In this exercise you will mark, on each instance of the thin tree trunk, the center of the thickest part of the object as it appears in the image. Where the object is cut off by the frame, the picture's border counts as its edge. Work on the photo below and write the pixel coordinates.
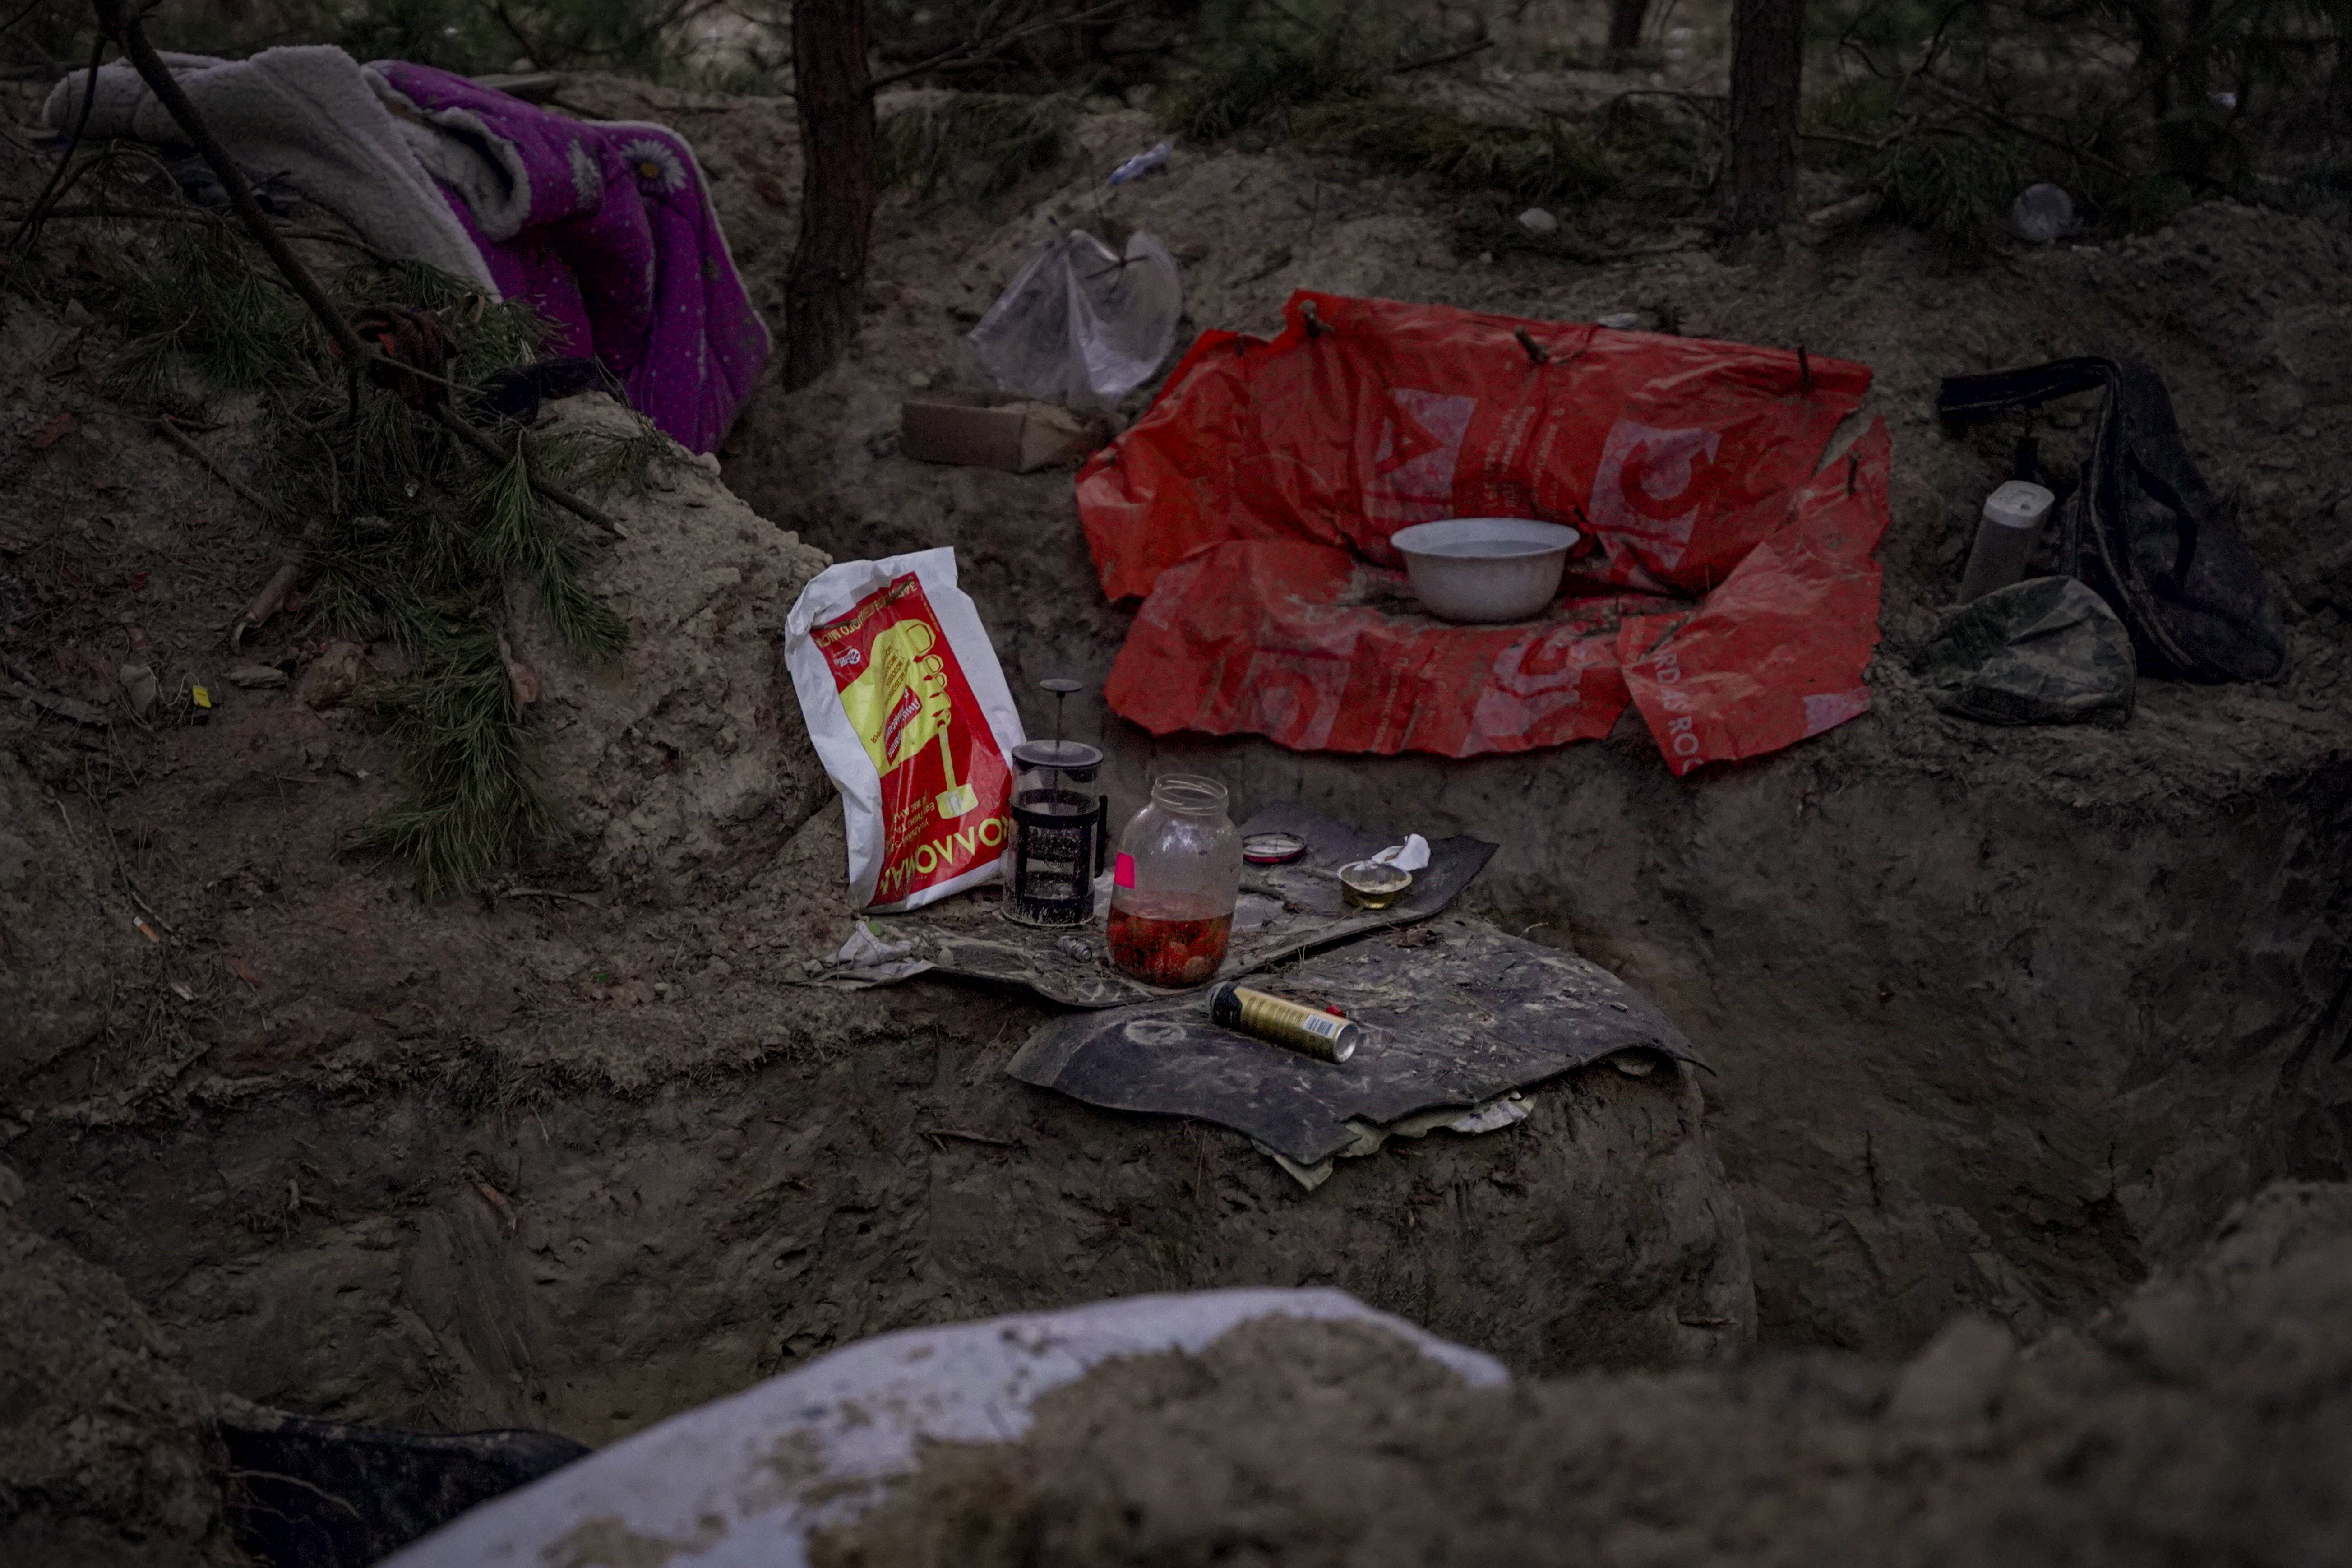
(2152, 38)
(826, 285)
(1768, 68)
(1626, 19)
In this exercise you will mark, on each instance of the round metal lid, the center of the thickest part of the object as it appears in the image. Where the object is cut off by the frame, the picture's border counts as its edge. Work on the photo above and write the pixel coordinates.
(1273, 848)
(1056, 756)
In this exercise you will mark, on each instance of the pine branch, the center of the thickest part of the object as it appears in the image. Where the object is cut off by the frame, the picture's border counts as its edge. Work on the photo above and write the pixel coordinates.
(198, 215)
(121, 24)
(30, 227)
(552, 491)
(982, 48)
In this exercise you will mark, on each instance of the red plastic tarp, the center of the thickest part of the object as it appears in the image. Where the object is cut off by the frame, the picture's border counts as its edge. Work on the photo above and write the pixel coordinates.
(1730, 591)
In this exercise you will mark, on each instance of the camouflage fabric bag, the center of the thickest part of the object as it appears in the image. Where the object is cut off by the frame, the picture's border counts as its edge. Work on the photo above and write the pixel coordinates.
(2044, 651)
(2141, 529)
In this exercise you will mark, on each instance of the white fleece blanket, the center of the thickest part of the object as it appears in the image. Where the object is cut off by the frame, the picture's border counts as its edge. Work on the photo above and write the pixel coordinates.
(310, 116)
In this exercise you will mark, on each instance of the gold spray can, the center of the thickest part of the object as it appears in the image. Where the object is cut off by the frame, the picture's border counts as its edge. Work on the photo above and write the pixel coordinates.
(1318, 1034)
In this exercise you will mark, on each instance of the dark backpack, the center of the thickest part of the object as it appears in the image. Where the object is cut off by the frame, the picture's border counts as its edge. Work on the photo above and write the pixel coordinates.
(2140, 529)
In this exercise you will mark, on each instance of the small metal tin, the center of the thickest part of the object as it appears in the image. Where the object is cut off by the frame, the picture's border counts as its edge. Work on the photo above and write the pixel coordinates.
(1325, 1036)
(1273, 848)
(1373, 884)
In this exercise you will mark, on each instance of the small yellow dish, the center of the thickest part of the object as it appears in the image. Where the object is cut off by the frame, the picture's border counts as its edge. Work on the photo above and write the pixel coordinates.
(1373, 884)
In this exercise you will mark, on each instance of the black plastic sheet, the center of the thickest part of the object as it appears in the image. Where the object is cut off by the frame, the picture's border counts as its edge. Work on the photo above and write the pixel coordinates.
(331, 1494)
(1455, 1013)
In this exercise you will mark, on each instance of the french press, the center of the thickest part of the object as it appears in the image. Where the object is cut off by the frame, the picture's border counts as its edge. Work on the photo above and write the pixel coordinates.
(1061, 829)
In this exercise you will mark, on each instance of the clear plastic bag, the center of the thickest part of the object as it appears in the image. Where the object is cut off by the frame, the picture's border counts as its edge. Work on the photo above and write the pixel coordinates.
(1081, 325)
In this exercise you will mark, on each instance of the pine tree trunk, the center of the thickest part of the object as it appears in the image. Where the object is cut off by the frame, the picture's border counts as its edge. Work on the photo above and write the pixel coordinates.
(1626, 19)
(1767, 69)
(826, 285)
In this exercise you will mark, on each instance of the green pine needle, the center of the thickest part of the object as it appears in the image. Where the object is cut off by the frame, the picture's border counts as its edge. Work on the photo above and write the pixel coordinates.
(512, 532)
(1265, 62)
(418, 535)
(473, 798)
(622, 465)
(976, 146)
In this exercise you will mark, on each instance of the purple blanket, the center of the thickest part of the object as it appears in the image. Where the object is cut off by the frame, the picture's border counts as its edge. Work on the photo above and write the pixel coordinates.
(607, 229)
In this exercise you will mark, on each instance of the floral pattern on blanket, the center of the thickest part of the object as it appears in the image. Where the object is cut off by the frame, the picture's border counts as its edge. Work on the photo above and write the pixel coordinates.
(621, 252)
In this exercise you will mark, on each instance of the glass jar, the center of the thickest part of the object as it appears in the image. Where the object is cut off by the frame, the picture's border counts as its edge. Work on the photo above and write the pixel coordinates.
(1175, 882)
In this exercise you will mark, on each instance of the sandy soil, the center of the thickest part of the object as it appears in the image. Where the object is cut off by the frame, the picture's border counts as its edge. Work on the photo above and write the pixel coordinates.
(339, 1259)
(2206, 1419)
(2004, 1019)
(1966, 986)
(285, 1120)
(105, 1449)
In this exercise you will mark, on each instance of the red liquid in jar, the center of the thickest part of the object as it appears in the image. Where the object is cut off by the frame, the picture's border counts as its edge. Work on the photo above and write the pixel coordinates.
(1169, 939)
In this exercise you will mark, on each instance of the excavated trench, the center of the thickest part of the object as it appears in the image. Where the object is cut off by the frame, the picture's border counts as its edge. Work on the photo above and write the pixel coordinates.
(670, 1251)
(1996, 1027)
(2000, 1021)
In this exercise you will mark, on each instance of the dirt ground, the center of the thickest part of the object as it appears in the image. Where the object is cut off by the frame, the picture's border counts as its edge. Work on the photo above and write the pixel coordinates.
(104, 1452)
(673, 1248)
(2003, 1020)
(573, 1152)
(2206, 1419)
(1966, 986)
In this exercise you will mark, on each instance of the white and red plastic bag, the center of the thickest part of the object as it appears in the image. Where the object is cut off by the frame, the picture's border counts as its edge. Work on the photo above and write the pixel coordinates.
(913, 721)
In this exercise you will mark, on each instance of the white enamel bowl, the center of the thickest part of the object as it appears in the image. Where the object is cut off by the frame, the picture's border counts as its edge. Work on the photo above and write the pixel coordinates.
(1484, 568)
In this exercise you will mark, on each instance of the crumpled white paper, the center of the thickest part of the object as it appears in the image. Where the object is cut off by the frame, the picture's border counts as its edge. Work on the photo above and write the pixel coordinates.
(866, 959)
(1410, 856)
(1503, 1110)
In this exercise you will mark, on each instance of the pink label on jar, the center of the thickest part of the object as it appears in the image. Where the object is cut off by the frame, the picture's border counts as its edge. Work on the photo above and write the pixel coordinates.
(1122, 871)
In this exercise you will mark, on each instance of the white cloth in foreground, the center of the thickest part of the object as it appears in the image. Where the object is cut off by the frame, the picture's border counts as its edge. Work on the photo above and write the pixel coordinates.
(743, 1482)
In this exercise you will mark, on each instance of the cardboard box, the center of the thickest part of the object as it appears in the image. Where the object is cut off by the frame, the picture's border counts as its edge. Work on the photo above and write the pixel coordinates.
(1018, 437)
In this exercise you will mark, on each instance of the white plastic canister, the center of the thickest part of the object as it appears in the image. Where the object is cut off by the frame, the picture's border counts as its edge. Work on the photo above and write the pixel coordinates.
(2006, 536)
